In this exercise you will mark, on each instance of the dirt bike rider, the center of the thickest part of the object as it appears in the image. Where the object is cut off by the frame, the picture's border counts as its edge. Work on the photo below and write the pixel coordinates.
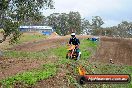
(75, 41)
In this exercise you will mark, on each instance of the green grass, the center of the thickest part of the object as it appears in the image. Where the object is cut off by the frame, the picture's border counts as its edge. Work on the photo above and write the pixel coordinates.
(85, 44)
(22, 54)
(24, 38)
(1, 30)
(29, 37)
(101, 68)
(111, 69)
(61, 53)
(30, 77)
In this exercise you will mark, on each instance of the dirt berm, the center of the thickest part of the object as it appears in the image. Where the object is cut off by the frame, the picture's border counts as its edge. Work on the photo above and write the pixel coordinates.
(119, 50)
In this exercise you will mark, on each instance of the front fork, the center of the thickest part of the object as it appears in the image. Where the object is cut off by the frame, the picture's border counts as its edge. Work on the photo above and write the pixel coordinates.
(72, 53)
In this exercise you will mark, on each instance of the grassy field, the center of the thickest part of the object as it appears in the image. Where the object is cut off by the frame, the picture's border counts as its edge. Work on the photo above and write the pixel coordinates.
(28, 37)
(1, 31)
(24, 38)
(60, 52)
(30, 78)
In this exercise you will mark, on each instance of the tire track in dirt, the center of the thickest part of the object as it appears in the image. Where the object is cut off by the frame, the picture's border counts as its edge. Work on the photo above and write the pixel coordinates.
(119, 50)
(10, 67)
(59, 80)
(40, 45)
(44, 44)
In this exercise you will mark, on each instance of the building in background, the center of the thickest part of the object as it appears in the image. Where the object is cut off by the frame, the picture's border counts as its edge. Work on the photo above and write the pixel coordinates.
(46, 30)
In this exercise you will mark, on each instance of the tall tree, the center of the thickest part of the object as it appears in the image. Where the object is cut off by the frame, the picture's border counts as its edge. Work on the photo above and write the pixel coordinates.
(86, 27)
(96, 24)
(65, 23)
(16, 12)
(124, 29)
(75, 22)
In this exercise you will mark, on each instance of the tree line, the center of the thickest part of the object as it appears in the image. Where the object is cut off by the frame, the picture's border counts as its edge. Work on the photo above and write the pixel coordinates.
(65, 24)
(123, 30)
(14, 13)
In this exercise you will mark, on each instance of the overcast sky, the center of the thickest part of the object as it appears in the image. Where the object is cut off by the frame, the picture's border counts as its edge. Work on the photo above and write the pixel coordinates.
(111, 11)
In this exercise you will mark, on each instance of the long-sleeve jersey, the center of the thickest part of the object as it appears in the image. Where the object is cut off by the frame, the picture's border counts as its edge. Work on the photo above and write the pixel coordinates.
(74, 41)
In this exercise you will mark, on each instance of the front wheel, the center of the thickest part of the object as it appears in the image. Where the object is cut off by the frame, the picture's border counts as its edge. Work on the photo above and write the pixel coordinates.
(67, 56)
(78, 56)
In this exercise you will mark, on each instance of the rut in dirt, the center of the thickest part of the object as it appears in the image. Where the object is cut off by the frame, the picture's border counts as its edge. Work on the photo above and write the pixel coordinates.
(44, 44)
(40, 45)
(119, 50)
(13, 66)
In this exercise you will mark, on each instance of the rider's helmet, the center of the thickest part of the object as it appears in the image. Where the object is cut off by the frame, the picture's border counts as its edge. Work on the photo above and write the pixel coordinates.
(73, 35)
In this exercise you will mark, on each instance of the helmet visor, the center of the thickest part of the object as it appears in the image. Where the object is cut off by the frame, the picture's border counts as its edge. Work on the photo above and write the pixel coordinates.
(73, 36)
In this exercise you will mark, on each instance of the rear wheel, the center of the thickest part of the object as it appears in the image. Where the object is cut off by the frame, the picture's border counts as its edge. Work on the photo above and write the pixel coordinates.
(67, 57)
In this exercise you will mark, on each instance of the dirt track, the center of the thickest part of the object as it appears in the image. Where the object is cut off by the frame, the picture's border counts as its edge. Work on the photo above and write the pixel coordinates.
(9, 67)
(119, 50)
(44, 44)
